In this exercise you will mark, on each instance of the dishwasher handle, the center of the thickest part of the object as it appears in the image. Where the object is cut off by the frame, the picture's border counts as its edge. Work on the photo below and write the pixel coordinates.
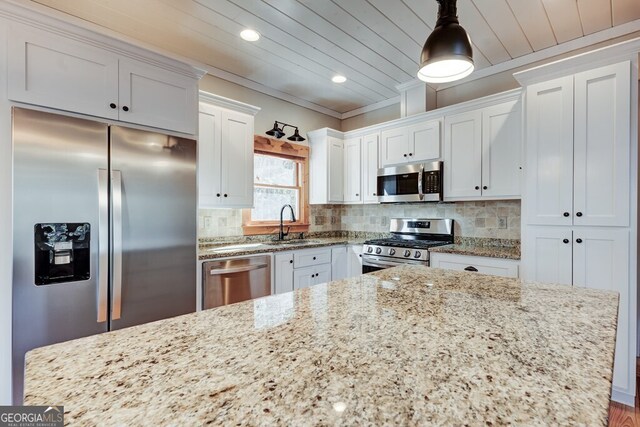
(219, 271)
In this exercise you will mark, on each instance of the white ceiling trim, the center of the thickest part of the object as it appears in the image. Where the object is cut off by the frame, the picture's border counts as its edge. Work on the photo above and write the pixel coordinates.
(371, 107)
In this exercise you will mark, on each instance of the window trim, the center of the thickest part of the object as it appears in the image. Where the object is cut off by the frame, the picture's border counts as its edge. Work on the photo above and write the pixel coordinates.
(291, 151)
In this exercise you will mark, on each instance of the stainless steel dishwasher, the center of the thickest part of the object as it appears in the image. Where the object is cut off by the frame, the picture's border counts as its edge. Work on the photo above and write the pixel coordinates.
(235, 280)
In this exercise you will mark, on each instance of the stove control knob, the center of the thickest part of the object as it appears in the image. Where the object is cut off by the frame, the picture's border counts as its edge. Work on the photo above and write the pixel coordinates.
(378, 250)
(417, 254)
(369, 249)
(407, 253)
(392, 251)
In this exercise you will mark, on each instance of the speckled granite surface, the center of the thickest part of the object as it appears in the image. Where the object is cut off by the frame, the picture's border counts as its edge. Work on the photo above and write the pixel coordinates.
(493, 248)
(403, 346)
(213, 251)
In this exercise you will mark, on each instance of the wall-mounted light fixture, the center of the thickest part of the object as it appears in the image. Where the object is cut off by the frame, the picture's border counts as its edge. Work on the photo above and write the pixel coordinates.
(278, 133)
(447, 54)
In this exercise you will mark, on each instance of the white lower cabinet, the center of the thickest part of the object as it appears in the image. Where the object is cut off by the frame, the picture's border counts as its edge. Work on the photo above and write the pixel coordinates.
(476, 264)
(308, 267)
(339, 264)
(354, 260)
(594, 258)
(283, 277)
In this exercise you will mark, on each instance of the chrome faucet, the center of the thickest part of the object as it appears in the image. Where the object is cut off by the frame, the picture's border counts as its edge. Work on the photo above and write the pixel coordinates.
(282, 234)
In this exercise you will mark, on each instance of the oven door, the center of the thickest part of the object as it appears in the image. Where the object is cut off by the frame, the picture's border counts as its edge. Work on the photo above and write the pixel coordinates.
(374, 263)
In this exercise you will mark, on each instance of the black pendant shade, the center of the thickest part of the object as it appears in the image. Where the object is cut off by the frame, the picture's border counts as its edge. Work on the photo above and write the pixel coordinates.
(278, 133)
(447, 54)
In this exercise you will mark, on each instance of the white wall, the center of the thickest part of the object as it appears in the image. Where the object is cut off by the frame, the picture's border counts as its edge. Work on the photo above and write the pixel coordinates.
(6, 257)
(272, 109)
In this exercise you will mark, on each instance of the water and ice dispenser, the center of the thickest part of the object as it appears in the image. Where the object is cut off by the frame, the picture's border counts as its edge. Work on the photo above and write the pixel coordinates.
(62, 252)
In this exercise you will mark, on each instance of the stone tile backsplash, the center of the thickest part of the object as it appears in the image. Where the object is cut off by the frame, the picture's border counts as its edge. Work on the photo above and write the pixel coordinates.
(482, 219)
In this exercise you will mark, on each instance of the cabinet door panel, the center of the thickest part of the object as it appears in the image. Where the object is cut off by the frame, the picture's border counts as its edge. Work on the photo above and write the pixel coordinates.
(547, 258)
(370, 167)
(209, 152)
(424, 141)
(549, 152)
(53, 71)
(157, 97)
(339, 263)
(237, 159)
(601, 146)
(336, 166)
(283, 273)
(501, 142)
(323, 274)
(352, 171)
(355, 260)
(395, 146)
(601, 261)
(303, 277)
(463, 155)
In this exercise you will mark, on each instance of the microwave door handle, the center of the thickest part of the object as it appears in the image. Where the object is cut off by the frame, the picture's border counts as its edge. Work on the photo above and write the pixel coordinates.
(420, 174)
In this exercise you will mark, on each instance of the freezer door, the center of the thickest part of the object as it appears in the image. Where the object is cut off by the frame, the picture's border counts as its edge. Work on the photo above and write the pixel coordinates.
(60, 177)
(153, 211)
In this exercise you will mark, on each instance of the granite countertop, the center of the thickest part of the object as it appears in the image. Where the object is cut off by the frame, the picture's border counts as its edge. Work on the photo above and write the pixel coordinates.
(505, 252)
(229, 249)
(409, 345)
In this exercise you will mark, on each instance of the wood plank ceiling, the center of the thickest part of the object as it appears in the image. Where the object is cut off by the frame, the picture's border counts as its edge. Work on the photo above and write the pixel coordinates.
(374, 43)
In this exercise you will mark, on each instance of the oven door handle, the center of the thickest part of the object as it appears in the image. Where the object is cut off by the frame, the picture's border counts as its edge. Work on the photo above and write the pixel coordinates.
(380, 263)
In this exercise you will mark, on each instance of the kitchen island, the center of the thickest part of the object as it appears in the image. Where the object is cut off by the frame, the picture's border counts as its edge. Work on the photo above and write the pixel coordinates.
(403, 346)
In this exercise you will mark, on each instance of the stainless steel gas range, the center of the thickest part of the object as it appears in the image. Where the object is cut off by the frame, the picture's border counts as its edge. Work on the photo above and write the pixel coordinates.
(409, 244)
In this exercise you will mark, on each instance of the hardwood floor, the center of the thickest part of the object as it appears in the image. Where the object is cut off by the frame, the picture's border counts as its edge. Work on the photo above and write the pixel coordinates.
(626, 416)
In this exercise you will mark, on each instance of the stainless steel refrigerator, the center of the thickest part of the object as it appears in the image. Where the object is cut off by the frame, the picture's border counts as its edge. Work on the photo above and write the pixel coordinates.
(104, 233)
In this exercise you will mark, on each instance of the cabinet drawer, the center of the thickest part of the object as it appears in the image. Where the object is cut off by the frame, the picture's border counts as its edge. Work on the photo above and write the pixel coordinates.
(311, 257)
(480, 265)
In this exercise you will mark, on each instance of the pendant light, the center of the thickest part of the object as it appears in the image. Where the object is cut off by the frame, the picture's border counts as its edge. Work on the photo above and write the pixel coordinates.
(278, 133)
(447, 54)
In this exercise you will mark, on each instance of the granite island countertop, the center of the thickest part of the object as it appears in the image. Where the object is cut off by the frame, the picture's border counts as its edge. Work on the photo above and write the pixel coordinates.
(504, 252)
(403, 346)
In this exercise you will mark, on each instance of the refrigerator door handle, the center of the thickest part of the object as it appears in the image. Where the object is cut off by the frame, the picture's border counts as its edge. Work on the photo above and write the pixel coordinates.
(116, 186)
(103, 244)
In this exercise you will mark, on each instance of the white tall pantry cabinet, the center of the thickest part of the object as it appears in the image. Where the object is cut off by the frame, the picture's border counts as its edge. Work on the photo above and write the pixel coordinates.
(579, 203)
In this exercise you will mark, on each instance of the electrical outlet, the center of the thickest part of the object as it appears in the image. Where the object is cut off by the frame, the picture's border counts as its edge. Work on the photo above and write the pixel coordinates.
(206, 222)
(502, 222)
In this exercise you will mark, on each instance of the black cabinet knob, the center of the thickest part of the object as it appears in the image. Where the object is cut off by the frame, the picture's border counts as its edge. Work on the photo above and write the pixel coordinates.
(290, 261)
(357, 195)
(374, 194)
(314, 258)
(578, 240)
(217, 194)
(578, 213)
(225, 195)
(470, 268)
(566, 214)
(477, 188)
(485, 187)
(405, 155)
(125, 108)
(360, 255)
(565, 241)
(410, 154)
(112, 105)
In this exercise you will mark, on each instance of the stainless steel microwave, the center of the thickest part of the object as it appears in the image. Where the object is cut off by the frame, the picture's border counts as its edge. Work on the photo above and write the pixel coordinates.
(418, 182)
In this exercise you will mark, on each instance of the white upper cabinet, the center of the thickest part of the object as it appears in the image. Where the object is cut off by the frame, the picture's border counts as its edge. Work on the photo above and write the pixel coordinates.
(155, 97)
(352, 171)
(412, 143)
(601, 146)
(501, 150)
(53, 71)
(463, 155)
(370, 165)
(482, 153)
(225, 156)
(578, 159)
(326, 167)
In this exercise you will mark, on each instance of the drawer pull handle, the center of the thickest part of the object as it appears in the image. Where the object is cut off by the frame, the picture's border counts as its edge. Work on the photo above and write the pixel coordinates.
(470, 268)
(314, 258)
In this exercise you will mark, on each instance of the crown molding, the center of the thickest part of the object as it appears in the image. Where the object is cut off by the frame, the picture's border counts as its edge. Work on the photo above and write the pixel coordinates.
(371, 107)
(322, 132)
(221, 101)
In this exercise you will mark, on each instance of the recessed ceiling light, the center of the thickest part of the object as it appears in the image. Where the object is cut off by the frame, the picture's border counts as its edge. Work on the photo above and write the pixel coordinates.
(338, 79)
(250, 35)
